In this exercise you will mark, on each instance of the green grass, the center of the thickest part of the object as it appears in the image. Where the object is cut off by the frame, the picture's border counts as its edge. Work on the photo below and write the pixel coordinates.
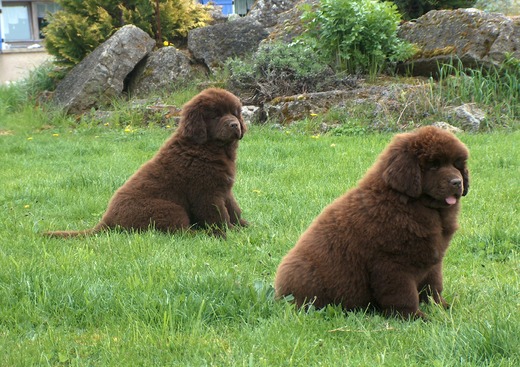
(496, 90)
(124, 299)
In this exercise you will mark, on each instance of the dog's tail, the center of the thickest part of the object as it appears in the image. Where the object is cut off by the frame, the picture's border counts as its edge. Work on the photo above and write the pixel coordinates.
(68, 234)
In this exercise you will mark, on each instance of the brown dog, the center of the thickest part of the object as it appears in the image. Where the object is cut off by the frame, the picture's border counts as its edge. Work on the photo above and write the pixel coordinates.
(382, 243)
(188, 182)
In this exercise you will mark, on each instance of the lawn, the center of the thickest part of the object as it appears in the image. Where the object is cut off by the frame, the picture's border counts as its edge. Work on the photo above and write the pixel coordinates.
(150, 299)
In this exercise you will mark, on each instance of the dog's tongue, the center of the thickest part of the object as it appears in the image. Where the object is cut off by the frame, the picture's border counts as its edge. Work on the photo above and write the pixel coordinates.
(451, 200)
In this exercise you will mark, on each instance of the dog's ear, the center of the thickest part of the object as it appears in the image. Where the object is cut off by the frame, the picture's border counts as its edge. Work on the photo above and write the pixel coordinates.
(192, 125)
(243, 127)
(465, 180)
(402, 172)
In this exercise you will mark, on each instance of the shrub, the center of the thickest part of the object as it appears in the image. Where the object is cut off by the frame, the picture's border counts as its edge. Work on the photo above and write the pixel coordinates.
(411, 9)
(358, 36)
(81, 26)
(278, 69)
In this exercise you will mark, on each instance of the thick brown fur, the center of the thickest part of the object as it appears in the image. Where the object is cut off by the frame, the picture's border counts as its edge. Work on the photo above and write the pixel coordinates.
(382, 243)
(189, 180)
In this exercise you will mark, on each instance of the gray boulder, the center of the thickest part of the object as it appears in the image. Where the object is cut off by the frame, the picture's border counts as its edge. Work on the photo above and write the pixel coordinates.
(294, 108)
(213, 45)
(100, 76)
(445, 126)
(475, 37)
(288, 24)
(469, 116)
(377, 101)
(267, 12)
(160, 69)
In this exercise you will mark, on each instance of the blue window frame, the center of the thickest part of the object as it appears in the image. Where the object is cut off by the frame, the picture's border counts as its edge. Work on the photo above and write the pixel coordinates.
(227, 5)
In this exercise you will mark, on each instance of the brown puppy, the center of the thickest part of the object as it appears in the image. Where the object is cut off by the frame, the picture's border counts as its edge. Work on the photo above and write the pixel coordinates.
(188, 182)
(382, 243)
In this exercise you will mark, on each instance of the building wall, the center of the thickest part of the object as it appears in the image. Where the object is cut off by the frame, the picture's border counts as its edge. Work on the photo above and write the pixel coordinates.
(18, 64)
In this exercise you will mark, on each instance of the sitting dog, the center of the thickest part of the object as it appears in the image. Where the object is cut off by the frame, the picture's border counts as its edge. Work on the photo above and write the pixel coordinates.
(188, 182)
(382, 243)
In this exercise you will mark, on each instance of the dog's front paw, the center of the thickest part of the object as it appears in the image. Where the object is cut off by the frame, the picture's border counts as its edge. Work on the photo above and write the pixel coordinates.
(440, 300)
(219, 233)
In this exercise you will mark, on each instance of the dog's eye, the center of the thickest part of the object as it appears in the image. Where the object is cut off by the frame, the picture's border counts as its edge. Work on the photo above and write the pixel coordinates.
(433, 165)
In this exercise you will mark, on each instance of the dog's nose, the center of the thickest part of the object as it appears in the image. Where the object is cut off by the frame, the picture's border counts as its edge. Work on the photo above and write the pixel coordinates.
(457, 182)
(234, 125)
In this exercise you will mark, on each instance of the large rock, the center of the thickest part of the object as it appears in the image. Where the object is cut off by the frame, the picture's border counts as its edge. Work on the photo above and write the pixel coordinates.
(160, 69)
(100, 76)
(266, 12)
(377, 101)
(475, 37)
(288, 24)
(213, 45)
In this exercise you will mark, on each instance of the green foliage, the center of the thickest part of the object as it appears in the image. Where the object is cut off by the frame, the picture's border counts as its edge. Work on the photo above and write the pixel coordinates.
(411, 9)
(81, 26)
(70, 37)
(278, 69)
(359, 36)
(496, 88)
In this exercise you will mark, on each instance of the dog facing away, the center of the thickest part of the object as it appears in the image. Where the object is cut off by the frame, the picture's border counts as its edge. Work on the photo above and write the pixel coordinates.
(382, 243)
(188, 182)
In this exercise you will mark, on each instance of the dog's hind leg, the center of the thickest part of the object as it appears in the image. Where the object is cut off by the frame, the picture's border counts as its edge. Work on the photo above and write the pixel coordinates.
(160, 214)
(168, 217)
(396, 295)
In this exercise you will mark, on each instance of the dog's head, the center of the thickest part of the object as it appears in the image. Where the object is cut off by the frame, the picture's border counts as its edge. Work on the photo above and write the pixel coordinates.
(428, 162)
(212, 115)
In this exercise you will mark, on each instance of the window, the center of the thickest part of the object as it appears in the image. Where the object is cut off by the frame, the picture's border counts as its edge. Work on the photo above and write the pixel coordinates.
(42, 11)
(18, 26)
(25, 20)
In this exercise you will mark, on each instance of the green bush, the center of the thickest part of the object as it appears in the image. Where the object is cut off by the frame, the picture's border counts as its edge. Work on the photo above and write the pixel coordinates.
(411, 9)
(278, 69)
(358, 36)
(81, 26)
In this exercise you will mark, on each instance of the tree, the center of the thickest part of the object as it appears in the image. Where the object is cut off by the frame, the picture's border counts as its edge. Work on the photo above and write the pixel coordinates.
(82, 25)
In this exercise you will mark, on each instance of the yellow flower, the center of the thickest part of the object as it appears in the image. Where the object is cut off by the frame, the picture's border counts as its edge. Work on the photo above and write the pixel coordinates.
(106, 124)
(168, 126)
(314, 114)
(257, 191)
(128, 129)
(317, 136)
(55, 134)
(333, 145)
(30, 138)
(166, 43)
(26, 206)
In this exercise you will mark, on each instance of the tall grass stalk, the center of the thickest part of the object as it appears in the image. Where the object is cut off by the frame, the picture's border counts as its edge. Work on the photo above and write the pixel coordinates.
(496, 89)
